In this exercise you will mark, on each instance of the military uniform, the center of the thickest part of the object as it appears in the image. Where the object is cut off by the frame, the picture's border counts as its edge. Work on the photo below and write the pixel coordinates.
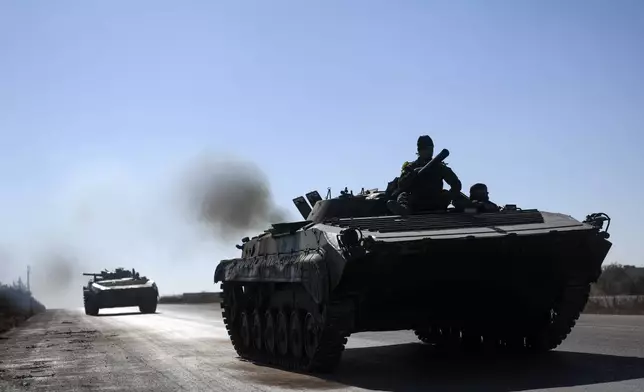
(426, 193)
(391, 187)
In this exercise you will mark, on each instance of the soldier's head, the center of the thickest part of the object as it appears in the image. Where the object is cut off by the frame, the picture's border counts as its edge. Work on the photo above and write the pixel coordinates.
(425, 146)
(479, 192)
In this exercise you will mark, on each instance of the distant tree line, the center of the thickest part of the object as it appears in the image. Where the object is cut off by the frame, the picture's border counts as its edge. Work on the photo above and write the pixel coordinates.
(617, 279)
(16, 304)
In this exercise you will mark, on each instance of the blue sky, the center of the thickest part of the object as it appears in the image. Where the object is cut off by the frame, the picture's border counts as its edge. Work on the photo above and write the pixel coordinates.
(103, 103)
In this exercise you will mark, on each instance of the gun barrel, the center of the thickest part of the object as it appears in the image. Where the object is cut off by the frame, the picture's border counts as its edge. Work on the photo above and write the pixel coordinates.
(440, 157)
(437, 159)
(91, 274)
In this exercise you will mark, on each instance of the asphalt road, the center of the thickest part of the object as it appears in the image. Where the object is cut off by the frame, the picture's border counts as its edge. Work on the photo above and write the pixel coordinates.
(185, 347)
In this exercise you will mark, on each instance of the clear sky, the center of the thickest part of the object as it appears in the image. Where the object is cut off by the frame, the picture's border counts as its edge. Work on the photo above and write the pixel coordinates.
(103, 104)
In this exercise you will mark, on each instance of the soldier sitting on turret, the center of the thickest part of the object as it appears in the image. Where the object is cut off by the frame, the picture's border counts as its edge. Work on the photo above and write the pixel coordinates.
(428, 193)
(480, 199)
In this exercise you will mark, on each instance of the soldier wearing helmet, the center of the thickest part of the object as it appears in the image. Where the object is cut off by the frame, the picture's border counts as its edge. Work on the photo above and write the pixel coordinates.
(427, 193)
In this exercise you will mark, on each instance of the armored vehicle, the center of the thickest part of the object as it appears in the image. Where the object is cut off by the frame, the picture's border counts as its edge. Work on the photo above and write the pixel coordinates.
(513, 279)
(119, 288)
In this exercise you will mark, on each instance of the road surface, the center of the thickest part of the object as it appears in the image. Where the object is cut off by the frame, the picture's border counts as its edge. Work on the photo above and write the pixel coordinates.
(185, 347)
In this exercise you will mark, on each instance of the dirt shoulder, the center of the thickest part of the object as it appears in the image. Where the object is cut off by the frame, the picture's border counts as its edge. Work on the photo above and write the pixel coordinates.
(49, 351)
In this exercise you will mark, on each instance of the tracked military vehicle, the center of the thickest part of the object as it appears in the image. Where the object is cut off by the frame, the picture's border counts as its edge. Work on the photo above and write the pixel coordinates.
(514, 279)
(120, 288)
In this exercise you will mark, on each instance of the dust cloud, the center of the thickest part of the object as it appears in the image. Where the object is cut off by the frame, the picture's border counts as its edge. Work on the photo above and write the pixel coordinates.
(171, 224)
(57, 279)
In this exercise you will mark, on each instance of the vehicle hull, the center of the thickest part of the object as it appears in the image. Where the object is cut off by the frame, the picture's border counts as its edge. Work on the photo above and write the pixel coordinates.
(515, 279)
(101, 295)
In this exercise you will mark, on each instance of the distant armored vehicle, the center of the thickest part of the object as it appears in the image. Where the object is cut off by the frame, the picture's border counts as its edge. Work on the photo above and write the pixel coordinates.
(513, 279)
(117, 289)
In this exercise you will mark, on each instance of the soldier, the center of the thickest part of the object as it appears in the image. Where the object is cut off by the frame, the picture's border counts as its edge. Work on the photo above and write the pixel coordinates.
(426, 193)
(480, 198)
(392, 186)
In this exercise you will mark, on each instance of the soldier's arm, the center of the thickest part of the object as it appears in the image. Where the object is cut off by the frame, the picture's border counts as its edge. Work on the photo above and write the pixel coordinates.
(452, 180)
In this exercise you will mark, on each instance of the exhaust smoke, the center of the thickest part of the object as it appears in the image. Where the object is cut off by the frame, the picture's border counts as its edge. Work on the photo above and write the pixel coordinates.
(232, 197)
(172, 228)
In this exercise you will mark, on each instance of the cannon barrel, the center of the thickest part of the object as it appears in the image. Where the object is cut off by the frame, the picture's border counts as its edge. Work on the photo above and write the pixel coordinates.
(92, 274)
(436, 160)
(440, 157)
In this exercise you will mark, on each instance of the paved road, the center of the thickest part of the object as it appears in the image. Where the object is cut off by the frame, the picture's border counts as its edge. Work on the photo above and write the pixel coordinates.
(185, 347)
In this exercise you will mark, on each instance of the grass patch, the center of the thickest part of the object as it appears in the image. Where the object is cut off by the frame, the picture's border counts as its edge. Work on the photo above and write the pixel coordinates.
(616, 304)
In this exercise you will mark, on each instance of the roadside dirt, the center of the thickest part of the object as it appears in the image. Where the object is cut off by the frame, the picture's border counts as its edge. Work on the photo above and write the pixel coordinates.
(32, 355)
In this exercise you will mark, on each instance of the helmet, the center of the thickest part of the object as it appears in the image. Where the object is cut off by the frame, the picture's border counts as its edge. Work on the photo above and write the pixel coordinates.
(478, 187)
(424, 141)
(425, 147)
(479, 192)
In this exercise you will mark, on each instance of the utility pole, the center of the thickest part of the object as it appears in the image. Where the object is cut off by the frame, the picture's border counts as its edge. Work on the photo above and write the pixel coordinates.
(31, 301)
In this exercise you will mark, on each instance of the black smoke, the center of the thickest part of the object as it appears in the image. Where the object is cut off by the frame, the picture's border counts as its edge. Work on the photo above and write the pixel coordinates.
(232, 196)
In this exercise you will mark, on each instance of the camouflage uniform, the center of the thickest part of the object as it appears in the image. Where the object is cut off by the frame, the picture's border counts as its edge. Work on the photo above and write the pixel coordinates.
(479, 198)
(426, 193)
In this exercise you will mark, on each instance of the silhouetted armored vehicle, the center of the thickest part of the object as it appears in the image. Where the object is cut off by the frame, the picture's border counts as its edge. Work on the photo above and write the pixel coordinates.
(120, 288)
(514, 279)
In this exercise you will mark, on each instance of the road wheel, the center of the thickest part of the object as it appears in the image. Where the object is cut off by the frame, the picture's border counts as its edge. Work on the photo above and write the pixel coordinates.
(295, 334)
(257, 330)
(311, 336)
(282, 333)
(269, 332)
(245, 330)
